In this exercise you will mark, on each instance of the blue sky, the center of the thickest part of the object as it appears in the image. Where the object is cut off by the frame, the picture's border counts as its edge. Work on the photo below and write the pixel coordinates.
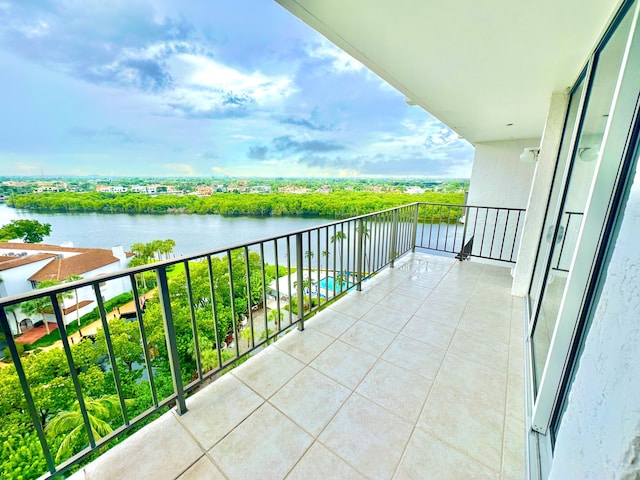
(200, 88)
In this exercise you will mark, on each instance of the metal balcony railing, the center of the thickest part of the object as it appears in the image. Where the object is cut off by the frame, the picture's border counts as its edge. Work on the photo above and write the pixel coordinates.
(193, 318)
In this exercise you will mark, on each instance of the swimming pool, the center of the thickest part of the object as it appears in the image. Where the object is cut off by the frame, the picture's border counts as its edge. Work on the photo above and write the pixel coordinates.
(329, 282)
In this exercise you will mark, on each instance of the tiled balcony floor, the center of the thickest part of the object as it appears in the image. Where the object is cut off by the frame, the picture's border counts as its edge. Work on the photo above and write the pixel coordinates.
(417, 376)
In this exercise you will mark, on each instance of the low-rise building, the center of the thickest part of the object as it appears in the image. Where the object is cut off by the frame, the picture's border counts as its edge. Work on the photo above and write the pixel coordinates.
(25, 265)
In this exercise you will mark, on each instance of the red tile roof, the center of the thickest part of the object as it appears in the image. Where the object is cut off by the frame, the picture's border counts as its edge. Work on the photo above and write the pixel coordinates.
(62, 268)
(7, 262)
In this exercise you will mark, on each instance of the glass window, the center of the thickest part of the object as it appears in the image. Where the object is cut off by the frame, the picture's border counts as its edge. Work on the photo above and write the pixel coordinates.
(572, 205)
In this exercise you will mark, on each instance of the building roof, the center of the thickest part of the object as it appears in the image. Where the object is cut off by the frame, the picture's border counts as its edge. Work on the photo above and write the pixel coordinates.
(485, 69)
(62, 268)
(40, 247)
(9, 262)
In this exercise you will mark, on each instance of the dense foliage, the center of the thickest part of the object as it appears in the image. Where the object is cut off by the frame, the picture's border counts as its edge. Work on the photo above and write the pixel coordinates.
(341, 204)
(52, 387)
(29, 231)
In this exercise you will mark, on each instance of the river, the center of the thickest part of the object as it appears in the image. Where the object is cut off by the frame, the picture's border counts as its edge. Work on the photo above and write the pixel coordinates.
(192, 233)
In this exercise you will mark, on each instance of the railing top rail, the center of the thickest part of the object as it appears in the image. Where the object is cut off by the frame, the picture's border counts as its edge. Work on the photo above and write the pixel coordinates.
(11, 300)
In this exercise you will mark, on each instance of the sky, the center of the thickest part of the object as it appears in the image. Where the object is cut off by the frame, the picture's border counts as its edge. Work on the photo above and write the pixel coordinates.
(200, 88)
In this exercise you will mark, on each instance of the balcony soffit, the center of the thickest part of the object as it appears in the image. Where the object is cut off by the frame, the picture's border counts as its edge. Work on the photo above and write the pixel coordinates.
(476, 66)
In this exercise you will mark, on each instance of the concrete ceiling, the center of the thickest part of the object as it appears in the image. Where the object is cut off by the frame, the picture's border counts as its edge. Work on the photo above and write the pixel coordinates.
(486, 69)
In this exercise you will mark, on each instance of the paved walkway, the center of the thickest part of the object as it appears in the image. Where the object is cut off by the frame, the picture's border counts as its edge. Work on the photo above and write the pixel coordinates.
(418, 376)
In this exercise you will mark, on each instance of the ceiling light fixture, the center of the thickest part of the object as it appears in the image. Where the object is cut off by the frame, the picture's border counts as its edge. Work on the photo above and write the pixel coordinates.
(587, 154)
(529, 155)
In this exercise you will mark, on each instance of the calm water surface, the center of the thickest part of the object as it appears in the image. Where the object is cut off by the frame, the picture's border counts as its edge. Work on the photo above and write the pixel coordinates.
(192, 233)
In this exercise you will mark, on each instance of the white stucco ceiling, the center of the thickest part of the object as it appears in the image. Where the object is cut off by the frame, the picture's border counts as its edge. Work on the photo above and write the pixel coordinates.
(477, 66)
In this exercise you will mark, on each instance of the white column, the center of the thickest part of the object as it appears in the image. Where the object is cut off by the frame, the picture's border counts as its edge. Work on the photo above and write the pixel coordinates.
(539, 194)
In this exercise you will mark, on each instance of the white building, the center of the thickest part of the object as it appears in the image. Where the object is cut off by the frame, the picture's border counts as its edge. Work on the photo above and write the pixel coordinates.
(559, 83)
(24, 265)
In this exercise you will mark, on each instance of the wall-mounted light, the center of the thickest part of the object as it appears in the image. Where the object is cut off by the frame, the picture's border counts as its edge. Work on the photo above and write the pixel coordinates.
(529, 155)
(587, 154)
(409, 101)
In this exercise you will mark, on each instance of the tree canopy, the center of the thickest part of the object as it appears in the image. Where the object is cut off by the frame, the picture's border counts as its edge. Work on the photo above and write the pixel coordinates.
(30, 231)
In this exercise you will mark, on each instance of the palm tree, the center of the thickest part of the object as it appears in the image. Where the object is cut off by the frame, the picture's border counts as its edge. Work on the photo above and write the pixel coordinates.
(73, 278)
(70, 423)
(339, 237)
(309, 255)
(365, 235)
(166, 247)
(42, 305)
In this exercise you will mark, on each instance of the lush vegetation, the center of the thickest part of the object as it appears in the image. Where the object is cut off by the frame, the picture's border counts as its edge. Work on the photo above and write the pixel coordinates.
(29, 231)
(340, 204)
(52, 386)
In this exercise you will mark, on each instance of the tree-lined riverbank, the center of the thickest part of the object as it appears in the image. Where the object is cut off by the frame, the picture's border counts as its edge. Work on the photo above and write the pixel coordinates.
(332, 205)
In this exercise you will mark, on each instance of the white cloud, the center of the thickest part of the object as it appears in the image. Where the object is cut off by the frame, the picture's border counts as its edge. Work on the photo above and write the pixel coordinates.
(180, 169)
(196, 72)
(340, 60)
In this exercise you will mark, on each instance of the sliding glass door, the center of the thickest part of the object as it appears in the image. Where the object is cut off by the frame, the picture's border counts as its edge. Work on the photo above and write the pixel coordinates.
(590, 167)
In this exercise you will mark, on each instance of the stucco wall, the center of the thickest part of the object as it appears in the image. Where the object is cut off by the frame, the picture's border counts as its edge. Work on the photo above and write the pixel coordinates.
(498, 177)
(600, 432)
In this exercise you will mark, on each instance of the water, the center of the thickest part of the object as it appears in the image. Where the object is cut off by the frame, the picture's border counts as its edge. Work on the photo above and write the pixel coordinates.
(192, 233)
(328, 283)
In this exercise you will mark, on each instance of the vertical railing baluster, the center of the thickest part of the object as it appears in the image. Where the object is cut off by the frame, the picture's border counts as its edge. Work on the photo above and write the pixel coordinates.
(247, 273)
(464, 233)
(192, 315)
(110, 350)
(289, 278)
(278, 311)
(394, 233)
(359, 238)
(26, 390)
(264, 293)
(504, 233)
(143, 339)
(234, 318)
(515, 236)
(414, 232)
(170, 331)
(214, 310)
(300, 279)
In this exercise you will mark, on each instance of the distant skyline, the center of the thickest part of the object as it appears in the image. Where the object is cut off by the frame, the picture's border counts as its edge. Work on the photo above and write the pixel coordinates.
(195, 88)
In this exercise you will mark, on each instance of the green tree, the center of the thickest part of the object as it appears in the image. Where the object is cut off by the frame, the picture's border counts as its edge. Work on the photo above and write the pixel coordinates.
(338, 238)
(73, 278)
(42, 305)
(30, 231)
(69, 424)
(309, 256)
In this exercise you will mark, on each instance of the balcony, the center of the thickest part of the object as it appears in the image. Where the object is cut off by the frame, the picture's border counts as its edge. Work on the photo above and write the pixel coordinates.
(413, 370)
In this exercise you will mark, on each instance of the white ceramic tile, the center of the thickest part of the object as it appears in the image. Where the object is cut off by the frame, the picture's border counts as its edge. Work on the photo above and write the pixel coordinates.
(203, 469)
(388, 318)
(368, 437)
(152, 458)
(310, 399)
(268, 371)
(352, 305)
(229, 398)
(344, 363)
(330, 322)
(368, 337)
(429, 331)
(305, 345)
(480, 349)
(464, 423)
(320, 462)
(266, 445)
(428, 457)
(395, 389)
(415, 356)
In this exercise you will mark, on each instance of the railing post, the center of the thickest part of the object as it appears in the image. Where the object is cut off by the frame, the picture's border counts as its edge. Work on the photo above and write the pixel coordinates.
(394, 234)
(414, 232)
(464, 233)
(300, 281)
(170, 332)
(360, 246)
